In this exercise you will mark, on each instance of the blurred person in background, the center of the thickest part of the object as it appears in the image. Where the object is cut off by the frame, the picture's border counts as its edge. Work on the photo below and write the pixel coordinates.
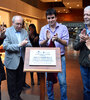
(34, 39)
(25, 85)
(2, 72)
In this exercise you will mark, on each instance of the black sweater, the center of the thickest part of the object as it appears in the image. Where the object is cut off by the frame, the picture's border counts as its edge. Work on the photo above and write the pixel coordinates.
(84, 52)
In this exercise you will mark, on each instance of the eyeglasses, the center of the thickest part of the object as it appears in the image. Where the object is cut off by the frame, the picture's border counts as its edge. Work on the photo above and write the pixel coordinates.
(86, 14)
(50, 17)
(18, 24)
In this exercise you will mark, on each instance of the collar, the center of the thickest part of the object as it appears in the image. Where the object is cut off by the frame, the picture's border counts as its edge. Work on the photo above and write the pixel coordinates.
(57, 25)
(15, 30)
(86, 27)
(87, 31)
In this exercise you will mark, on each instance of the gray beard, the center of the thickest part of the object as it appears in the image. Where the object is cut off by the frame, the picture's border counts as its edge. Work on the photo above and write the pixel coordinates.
(87, 23)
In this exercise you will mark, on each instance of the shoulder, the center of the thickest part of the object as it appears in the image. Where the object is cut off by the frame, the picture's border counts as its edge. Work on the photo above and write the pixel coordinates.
(62, 26)
(8, 30)
(23, 30)
(44, 27)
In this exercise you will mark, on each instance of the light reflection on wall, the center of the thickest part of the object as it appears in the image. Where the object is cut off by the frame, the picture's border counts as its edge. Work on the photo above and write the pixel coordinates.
(5, 17)
(28, 21)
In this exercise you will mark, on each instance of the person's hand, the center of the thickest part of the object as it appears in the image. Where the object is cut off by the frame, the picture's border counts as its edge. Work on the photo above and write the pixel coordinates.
(83, 36)
(23, 43)
(31, 36)
(88, 46)
(88, 43)
(47, 34)
(55, 37)
(36, 39)
(83, 31)
(2, 31)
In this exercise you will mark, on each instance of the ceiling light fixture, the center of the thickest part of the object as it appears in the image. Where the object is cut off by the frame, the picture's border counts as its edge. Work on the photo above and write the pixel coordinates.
(51, 0)
(64, 9)
(68, 3)
(58, 11)
(77, 5)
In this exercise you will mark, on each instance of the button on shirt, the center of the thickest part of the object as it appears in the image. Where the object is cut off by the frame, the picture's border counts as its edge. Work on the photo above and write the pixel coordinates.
(62, 32)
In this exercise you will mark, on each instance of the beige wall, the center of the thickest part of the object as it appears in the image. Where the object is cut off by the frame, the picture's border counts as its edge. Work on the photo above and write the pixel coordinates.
(41, 23)
(29, 21)
(22, 8)
(17, 7)
(5, 17)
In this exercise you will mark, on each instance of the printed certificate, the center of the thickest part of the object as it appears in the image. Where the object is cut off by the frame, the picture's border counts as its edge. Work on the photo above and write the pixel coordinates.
(42, 57)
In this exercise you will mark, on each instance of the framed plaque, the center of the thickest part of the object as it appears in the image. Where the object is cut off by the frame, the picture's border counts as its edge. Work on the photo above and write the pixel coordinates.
(42, 59)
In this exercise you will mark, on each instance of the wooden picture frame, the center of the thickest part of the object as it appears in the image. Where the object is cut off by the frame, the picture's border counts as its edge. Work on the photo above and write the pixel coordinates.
(44, 68)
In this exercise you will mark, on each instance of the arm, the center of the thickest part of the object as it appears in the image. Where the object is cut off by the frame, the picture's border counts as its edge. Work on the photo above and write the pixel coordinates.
(63, 42)
(9, 44)
(78, 44)
(64, 37)
(28, 43)
(36, 39)
(2, 32)
(43, 43)
(44, 38)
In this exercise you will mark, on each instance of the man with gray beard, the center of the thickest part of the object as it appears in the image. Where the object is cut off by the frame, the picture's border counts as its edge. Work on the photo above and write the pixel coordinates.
(82, 43)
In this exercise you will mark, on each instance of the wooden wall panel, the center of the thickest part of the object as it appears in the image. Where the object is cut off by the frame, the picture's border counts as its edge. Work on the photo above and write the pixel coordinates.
(74, 16)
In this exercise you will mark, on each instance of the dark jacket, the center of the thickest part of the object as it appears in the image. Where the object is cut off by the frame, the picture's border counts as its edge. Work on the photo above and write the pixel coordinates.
(84, 52)
(2, 72)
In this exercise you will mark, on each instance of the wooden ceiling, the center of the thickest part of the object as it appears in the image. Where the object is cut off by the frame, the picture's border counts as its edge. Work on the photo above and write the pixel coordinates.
(61, 6)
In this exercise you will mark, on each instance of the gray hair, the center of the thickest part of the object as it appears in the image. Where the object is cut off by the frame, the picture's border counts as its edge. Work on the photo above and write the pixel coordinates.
(14, 18)
(87, 8)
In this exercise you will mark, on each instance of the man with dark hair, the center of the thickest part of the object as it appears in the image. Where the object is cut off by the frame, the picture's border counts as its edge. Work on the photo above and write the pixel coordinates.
(82, 43)
(50, 12)
(14, 44)
(58, 34)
